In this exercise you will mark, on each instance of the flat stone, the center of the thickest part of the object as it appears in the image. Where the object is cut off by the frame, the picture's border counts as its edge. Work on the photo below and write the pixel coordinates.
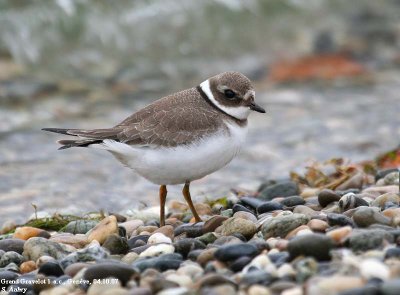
(252, 202)
(280, 226)
(314, 245)
(78, 241)
(235, 251)
(191, 230)
(339, 219)
(282, 189)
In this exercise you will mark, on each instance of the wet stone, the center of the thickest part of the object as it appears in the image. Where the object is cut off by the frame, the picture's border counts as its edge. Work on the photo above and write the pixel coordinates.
(327, 196)
(282, 189)
(339, 219)
(269, 206)
(293, 201)
(314, 245)
(233, 252)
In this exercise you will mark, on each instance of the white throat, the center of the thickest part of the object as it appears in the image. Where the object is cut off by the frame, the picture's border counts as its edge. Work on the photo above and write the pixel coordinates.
(240, 112)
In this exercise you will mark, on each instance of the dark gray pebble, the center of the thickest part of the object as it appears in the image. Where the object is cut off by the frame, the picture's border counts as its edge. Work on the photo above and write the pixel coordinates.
(252, 202)
(51, 269)
(259, 277)
(327, 196)
(279, 258)
(269, 206)
(366, 290)
(391, 287)
(238, 207)
(11, 257)
(339, 219)
(293, 201)
(184, 246)
(157, 263)
(392, 253)
(192, 255)
(132, 242)
(80, 226)
(282, 189)
(191, 230)
(234, 251)
(105, 270)
(314, 245)
(5, 278)
(383, 173)
(16, 245)
(240, 263)
(363, 240)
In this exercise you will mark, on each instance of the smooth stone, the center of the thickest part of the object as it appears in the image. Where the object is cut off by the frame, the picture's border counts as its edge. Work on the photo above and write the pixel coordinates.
(132, 242)
(130, 257)
(227, 213)
(391, 287)
(356, 181)
(225, 240)
(240, 263)
(157, 250)
(327, 196)
(339, 235)
(339, 219)
(382, 173)
(27, 266)
(307, 211)
(131, 225)
(116, 244)
(297, 231)
(207, 238)
(51, 269)
(279, 258)
(392, 253)
(286, 271)
(366, 216)
(380, 190)
(205, 256)
(350, 201)
(106, 270)
(256, 277)
(211, 224)
(77, 241)
(213, 279)
(193, 270)
(373, 268)
(252, 202)
(37, 247)
(103, 229)
(365, 290)
(184, 246)
(16, 245)
(158, 263)
(27, 232)
(385, 198)
(363, 240)
(279, 286)
(180, 279)
(392, 178)
(269, 206)
(111, 287)
(293, 201)
(245, 215)
(233, 252)
(239, 225)
(314, 245)
(72, 269)
(332, 285)
(225, 289)
(166, 230)
(11, 257)
(258, 290)
(92, 252)
(157, 238)
(318, 225)
(239, 208)
(191, 230)
(280, 226)
(282, 189)
(80, 226)
(149, 229)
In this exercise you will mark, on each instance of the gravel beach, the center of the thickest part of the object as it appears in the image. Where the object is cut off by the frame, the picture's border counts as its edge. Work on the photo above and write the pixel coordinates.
(333, 230)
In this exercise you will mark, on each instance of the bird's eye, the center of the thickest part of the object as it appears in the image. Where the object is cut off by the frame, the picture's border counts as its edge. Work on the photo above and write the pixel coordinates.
(229, 93)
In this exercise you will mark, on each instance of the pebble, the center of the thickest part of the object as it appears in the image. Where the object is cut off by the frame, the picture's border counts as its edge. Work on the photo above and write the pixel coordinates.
(338, 235)
(36, 247)
(184, 246)
(26, 232)
(235, 251)
(363, 240)
(282, 189)
(280, 226)
(211, 224)
(350, 201)
(116, 244)
(106, 270)
(391, 287)
(157, 238)
(252, 202)
(332, 285)
(269, 206)
(339, 219)
(374, 269)
(27, 266)
(392, 178)
(77, 241)
(16, 245)
(245, 215)
(314, 245)
(131, 225)
(80, 226)
(92, 252)
(103, 229)
(293, 201)
(318, 225)
(51, 269)
(366, 216)
(239, 225)
(191, 230)
(157, 250)
(356, 181)
(327, 196)
(385, 198)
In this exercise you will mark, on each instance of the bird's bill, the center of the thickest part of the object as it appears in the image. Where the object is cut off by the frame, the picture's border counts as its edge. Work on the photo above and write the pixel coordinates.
(256, 107)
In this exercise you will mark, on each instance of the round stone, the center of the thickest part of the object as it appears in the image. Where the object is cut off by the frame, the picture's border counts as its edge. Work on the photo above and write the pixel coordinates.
(366, 216)
(106, 270)
(280, 226)
(116, 244)
(269, 206)
(51, 269)
(314, 245)
(235, 251)
(327, 196)
(239, 225)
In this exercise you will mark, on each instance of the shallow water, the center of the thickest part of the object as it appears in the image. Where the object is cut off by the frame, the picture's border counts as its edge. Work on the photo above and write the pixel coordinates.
(302, 123)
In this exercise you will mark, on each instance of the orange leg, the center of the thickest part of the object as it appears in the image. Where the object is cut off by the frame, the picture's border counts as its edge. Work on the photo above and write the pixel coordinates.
(163, 198)
(188, 198)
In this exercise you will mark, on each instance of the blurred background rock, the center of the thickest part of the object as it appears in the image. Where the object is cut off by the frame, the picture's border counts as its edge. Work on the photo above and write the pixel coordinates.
(327, 72)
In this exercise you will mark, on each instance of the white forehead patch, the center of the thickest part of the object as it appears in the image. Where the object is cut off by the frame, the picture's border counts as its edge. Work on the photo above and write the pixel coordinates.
(239, 112)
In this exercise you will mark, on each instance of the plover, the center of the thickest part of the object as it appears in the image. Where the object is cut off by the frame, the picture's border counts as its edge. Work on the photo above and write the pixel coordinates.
(181, 137)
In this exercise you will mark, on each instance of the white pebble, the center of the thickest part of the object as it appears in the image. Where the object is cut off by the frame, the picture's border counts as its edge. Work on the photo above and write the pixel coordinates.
(373, 268)
(157, 250)
(158, 238)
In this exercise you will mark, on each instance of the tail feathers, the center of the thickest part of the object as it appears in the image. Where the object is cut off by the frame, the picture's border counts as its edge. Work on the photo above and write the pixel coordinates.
(69, 143)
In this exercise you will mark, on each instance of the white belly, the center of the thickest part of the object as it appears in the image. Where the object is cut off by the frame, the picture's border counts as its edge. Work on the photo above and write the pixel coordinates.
(180, 164)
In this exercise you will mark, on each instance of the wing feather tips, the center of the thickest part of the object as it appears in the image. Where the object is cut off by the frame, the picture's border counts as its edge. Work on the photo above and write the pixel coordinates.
(58, 130)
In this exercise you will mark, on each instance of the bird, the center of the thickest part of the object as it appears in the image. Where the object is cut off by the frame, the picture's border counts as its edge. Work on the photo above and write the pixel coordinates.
(181, 137)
